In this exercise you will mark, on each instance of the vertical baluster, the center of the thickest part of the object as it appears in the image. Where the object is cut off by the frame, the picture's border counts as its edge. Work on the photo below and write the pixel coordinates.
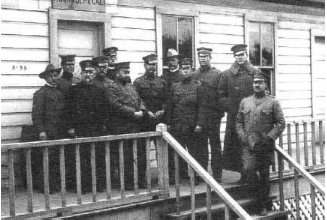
(313, 142)
(148, 170)
(305, 139)
(321, 144)
(289, 143)
(136, 176)
(108, 171)
(121, 169)
(46, 177)
(280, 181)
(281, 145)
(313, 201)
(191, 171)
(297, 193)
(93, 173)
(29, 180)
(177, 186)
(62, 175)
(78, 173)
(227, 212)
(162, 155)
(11, 183)
(208, 195)
(297, 141)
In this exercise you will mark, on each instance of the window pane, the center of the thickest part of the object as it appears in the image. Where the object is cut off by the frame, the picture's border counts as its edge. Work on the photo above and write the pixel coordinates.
(185, 37)
(267, 44)
(169, 35)
(254, 46)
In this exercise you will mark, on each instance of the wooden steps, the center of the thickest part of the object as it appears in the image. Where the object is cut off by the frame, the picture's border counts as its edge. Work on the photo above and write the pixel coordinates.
(273, 215)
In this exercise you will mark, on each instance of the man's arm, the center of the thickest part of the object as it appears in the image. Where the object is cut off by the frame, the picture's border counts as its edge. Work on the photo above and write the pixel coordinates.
(222, 91)
(279, 121)
(239, 123)
(38, 112)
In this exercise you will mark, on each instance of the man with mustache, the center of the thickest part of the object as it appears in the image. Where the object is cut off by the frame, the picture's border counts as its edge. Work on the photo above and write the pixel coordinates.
(101, 67)
(111, 54)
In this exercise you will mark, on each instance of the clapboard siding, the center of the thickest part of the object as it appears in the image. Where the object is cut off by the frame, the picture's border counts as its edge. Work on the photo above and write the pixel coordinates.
(290, 95)
(221, 29)
(24, 16)
(17, 93)
(10, 106)
(22, 28)
(140, 23)
(15, 119)
(21, 80)
(26, 67)
(18, 54)
(25, 42)
(299, 69)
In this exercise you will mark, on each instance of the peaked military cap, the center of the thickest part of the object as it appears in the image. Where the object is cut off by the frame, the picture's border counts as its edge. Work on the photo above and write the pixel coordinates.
(69, 58)
(100, 61)
(172, 53)
(48, 69)
(86, 64)
(110, 51)
(186, 61)
(151, 58)
(260, 76)
(204, 50)
(121, 65)
(239, 48)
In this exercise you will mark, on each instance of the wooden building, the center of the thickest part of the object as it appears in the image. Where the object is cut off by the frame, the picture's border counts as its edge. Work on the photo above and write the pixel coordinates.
(285, 38)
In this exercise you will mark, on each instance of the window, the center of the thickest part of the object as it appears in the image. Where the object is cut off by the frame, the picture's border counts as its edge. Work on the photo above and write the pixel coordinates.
(177, 33)
(261, 49)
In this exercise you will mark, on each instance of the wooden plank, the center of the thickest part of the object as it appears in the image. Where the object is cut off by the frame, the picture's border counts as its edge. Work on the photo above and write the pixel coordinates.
(108, 171)
(299, 43)
(313, 201)
(293, 51)
(305, 137)
(220, 38)
(24, 16)
(11, 132)
(29, 181)
(282, 68)
(78, 173)
(26, 29)
(221, 29)
(302, 103)
(25, 54)
(296, 86)
(17, 93)
(293, 34)
(208, 201)
(280, 180)
(321, 143)
(313, 142)
(133, 34)
(26, 42)
(12, 207)
(218, 47)
(192, 191)
(221, 19)
(21, 80)
(148, 168)
(284, 24)
(297, 143)
(293, 60)
(222, 58)
(22, 67)
(130, 12)
(93, 173)
(135, 167)
(62, 175)
(135, 45)
(16, 106)
(294, 77)
(46, 178)
(227, 212)
(297, 194)
(133, 56)
(121, 169)
(290, 95)
(177, 184)
(139, 23)
(15, 119)
(289, 142)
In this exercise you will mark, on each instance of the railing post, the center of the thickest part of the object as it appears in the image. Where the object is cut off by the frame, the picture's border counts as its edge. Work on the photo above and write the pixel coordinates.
(162, 151)
(280, 175)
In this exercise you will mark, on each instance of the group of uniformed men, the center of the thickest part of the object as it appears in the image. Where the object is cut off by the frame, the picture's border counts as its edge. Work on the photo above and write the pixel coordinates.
(191, 102)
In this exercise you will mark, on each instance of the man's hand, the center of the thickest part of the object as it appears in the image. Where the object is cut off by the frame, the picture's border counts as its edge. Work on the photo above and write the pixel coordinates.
(138, 114)
(159, 113)
(71, 132)
(151, 115)
(43, 136)
(267, 142)
(198, 128)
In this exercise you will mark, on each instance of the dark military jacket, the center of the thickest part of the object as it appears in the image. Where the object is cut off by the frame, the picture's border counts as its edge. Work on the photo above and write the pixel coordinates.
(260, 117)
(100, 82)
(210, 110)
(124, 101)
(66, 81)
(172, 77)
(111, 72)
(184, 106)
(86, 109)
(47, 111)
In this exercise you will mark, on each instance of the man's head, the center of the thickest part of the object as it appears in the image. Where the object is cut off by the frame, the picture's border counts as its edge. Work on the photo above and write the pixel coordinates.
(173, 59)
(204, 55)
(111, 54)
(186, 65)
(150, 64)
(240, 53)
(260, 83)
(68, 63)
(101, 65)
(122, 72)
(88, 71)
(50, 74)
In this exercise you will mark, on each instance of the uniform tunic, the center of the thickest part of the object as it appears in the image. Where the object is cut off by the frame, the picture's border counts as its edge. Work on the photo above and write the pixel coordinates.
(258, 118)
(209, 117)
(235, 84)
(152, 91)
(66, 81)
(101, 82)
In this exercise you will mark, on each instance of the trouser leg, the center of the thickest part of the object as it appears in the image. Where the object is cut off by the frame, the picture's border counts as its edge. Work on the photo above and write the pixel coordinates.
(216, 152)
(202, 149)
(263, 191)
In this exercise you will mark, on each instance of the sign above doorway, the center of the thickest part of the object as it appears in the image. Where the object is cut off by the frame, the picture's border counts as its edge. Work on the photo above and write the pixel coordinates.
(80, 5)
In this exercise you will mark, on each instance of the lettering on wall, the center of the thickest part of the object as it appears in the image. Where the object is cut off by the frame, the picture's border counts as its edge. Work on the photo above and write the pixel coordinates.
(80, 5)
(19, 67)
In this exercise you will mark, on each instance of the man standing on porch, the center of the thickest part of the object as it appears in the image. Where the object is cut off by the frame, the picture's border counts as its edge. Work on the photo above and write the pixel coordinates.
(111, 54)
(210, 113)
(259, 122)
(235, 84)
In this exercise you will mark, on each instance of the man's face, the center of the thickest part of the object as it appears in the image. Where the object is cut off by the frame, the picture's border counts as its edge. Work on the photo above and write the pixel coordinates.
(112, 58)
(204, 59)
(173, 63)
(186, 68)
(150, 68)
(69, 67)
(88, 75)
(123, 75)
(102, 69)
(51, 78)
(241, 58)
(259, 85)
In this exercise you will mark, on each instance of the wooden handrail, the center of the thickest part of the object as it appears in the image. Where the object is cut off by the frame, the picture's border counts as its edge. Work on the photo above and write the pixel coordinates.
(52, 143)
(206, 177)
(301, 170)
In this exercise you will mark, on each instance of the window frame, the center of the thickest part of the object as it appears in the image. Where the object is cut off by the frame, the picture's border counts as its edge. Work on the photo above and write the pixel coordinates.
(159, 11)
(259, 17)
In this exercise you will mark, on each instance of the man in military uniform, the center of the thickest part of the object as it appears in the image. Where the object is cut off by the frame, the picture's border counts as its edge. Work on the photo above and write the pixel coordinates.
(151, 89)
(235, 84)
(186, 65)
(210, 113)
(86, 114)
(101, 64)
(127, 111)
(47, 112)
(184, 108)
(67, 79)
(111, 54)
(260, 121)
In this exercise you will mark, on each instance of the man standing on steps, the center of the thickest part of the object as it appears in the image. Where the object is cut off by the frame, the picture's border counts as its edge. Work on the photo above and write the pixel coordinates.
(259, 122)
(235, 84)
(210, 113)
